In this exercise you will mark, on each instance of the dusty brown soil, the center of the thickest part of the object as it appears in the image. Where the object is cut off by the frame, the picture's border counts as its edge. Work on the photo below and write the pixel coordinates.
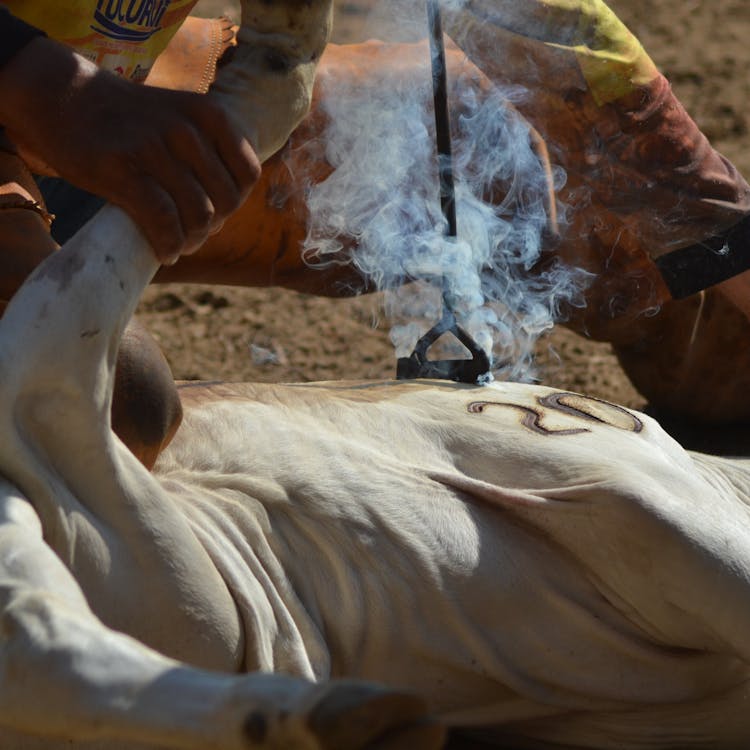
(276, 335)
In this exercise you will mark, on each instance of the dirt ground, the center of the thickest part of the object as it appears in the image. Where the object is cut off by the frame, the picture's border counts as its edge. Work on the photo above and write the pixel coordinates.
(276, 335)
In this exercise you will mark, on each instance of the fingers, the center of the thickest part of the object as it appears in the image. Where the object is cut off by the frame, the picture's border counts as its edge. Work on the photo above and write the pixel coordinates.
(209, 171)
(186, 183)
(203, 195)
(232, 148)
(190, 152)
(157, 215)
(164, 199)
(238, 156)
(196, 213)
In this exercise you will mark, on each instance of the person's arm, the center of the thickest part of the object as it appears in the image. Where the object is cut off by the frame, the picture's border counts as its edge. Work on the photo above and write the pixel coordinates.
(173, 160)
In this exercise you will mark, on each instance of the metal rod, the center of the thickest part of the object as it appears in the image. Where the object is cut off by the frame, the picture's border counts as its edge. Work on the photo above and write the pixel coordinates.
(442, 119)
(418, 365)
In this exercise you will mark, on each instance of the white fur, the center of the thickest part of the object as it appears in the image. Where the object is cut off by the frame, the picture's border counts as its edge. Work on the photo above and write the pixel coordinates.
(541, 567)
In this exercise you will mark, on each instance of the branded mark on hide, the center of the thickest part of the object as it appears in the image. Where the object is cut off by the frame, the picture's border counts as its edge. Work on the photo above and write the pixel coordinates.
(572, 405)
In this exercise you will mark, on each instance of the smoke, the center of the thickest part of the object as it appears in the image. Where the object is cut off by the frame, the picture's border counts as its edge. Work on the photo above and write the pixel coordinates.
(384, 194)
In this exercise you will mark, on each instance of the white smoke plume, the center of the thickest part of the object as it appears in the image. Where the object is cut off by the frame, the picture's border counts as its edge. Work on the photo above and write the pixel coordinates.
(384, 193)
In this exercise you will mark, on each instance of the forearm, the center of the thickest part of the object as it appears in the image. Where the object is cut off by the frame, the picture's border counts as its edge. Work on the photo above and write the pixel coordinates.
(35, 81)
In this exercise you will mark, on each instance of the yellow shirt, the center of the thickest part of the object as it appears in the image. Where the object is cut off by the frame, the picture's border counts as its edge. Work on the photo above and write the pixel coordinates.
(124, 36)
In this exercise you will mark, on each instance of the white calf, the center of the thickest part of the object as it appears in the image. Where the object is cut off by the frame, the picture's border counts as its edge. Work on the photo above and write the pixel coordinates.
(539, 566)
(542, 568)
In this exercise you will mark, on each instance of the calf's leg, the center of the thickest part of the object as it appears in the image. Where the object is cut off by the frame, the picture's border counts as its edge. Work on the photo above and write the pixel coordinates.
(65, 677)
(146, 408)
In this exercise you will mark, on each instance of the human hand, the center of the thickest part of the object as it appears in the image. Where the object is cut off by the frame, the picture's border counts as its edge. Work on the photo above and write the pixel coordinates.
(173, 160)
